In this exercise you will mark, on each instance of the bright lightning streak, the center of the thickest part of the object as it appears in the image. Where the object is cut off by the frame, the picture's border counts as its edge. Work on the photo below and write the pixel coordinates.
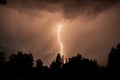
(59, 39)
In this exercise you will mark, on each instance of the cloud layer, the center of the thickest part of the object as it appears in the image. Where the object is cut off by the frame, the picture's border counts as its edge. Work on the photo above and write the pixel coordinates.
(70, 8)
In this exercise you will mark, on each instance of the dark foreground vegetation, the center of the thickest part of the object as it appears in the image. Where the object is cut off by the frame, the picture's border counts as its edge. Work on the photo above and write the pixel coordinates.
(20, 67)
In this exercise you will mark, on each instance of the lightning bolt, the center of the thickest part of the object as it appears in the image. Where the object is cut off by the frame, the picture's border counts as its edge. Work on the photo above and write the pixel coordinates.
(59, 39)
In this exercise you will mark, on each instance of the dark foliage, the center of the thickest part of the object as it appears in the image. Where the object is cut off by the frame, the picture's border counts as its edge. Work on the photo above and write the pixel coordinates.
(114, 63)
(20, 67)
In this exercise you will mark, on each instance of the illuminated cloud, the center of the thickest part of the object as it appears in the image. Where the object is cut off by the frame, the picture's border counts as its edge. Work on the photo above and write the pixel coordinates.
(70, 8)
(91, 27)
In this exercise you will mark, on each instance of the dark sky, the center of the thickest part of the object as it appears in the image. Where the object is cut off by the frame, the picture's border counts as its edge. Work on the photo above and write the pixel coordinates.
(90, 27)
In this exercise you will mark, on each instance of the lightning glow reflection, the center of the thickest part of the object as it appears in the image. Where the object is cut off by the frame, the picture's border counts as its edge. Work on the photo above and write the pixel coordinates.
(59, 39)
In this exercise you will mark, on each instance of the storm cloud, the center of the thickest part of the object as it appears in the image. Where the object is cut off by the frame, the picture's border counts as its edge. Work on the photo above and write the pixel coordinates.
(69, 8)
(90, 27)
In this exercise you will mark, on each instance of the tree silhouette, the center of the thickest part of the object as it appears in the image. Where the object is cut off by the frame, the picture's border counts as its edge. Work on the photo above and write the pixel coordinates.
(57, 64)
(114, 63)
(2, 59)
(39, 63)
(79, 67)
(114, 57)
(56, 67)
(41, 72)
(20, 64)
(2, 63)
(20, 67)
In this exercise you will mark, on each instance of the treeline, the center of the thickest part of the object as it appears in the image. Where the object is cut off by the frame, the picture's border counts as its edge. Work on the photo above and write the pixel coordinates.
(20, 67)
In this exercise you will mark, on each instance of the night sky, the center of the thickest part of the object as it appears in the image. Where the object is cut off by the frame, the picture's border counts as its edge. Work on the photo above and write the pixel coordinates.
(89, 27)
